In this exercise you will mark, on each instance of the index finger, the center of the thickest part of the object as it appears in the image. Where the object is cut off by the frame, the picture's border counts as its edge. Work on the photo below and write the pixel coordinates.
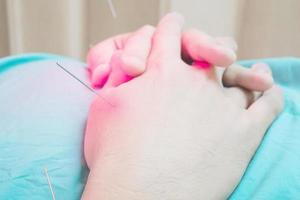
(99, 56)
(167, 38)
(103, 51)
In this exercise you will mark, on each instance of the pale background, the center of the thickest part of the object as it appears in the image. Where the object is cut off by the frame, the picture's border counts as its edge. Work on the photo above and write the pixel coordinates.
(263, 28)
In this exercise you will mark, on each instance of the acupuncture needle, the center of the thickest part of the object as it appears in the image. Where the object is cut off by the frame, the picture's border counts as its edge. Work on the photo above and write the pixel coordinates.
(80, 81)
(49, 183)
(112, 8)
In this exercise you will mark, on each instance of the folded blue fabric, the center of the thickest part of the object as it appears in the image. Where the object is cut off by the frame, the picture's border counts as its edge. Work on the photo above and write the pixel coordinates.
(43, 113)
(274, 172)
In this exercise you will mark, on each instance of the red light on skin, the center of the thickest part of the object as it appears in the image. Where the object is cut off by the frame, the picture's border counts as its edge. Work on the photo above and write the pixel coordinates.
(201, 64)
(205, 67)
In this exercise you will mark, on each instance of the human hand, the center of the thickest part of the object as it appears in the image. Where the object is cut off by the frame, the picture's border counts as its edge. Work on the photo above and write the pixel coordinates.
(172, 132)
(123, 57)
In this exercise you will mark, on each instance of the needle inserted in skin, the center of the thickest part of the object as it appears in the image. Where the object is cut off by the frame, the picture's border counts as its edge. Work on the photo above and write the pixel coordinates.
(88, 87)
(80, 81)
(49, 183)
(112, 8)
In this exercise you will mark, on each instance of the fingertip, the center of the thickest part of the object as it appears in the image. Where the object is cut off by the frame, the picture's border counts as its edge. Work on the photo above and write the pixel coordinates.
(139, 43)
(224, 57)
(166, 41)
(147, 29)
(136, 51)
(99, 75)
(261, 68)
(174, 16)
(91, 59)
(263, 75)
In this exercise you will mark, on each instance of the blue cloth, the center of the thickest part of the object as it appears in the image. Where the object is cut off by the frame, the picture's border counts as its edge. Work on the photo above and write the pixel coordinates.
(43, 112)
(274, 172)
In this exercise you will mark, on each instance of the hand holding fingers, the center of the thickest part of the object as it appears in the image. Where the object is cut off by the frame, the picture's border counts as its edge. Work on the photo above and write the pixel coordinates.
(169, 110)
(134, 47)
(132, 60)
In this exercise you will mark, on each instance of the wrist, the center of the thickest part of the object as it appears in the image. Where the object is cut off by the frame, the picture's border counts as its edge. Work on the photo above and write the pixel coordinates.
(107, 187)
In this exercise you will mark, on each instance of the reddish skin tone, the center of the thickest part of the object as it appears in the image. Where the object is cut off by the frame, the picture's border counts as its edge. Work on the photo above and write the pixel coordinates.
(123, 57)
(174, 140)
(202, 64)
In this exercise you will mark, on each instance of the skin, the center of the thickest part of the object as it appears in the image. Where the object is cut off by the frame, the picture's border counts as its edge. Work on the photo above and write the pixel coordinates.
(123, 57)
(173, 132)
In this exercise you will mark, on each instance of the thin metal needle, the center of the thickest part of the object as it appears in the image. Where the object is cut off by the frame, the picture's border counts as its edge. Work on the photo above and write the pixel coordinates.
(49, 183)
(84, 84)
(88, 87)
(112, 8)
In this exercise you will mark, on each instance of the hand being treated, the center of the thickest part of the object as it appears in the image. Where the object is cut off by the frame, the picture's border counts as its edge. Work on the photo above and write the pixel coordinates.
(120, 58)
(173, 132)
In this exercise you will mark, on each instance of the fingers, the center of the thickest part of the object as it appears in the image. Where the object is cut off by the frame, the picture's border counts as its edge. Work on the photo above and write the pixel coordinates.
(136, 51)
(264, 110)
(117, 76)
(100, 75)
(131, 61)
(258, 78)
(98, 58)
(167, 39)
(197, 45)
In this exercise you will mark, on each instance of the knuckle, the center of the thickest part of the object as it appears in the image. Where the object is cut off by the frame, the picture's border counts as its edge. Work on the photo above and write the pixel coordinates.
(145, 32)
(148, 27)
(156, 61)
(190, 31)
